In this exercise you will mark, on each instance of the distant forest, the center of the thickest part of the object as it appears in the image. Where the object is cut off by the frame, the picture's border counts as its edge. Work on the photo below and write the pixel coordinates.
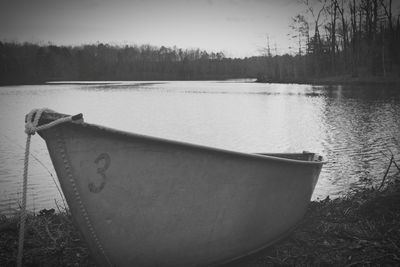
(31, 63)
(335, 38)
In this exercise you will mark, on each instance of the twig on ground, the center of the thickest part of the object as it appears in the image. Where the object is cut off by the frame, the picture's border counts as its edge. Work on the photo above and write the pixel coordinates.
(386, 173)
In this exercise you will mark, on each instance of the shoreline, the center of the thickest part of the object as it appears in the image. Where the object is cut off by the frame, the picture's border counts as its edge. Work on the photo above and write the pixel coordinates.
(321, 81)
(359, 229)
(340, 80)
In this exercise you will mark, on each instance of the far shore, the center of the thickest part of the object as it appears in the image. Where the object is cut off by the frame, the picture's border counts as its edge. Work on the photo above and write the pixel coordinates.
(329, 80)
(339, 80)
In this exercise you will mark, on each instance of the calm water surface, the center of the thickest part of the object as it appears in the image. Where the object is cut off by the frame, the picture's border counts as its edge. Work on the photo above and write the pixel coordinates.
(350, 126)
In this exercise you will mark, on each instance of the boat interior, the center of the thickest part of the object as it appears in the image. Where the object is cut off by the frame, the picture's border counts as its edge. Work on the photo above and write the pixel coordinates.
(305, 156)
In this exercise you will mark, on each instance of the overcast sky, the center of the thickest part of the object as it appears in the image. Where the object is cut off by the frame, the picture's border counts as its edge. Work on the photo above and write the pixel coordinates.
(237, 27)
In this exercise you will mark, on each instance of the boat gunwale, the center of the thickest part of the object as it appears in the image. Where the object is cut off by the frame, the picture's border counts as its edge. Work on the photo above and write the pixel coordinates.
(320, 160)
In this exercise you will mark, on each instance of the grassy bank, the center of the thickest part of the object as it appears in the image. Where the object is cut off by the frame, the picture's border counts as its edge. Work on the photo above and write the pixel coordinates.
(50, 240)
(361, 229)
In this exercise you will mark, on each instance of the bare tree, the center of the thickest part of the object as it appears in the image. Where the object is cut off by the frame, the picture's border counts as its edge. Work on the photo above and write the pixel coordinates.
(341, 10)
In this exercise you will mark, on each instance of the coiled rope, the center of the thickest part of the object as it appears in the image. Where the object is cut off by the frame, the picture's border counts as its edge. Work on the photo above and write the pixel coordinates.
(31, 127)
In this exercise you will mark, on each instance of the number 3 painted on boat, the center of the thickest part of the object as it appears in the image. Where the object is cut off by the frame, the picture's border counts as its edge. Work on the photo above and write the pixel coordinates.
(105, 158)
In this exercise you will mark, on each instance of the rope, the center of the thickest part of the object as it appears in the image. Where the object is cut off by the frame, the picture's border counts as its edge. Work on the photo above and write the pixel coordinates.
(31, 127)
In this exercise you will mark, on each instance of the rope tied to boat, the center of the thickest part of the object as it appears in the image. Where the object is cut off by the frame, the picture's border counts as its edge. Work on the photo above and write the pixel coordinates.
(31, 127)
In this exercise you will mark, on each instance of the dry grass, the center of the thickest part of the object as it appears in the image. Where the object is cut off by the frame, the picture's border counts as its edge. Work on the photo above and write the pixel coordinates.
(362, 229)
(50, 240)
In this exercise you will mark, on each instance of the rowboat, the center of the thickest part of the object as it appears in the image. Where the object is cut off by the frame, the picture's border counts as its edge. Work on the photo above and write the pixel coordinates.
(144, 201)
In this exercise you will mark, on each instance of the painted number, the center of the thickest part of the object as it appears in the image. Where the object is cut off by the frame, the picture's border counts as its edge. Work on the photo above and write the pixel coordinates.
(103, 163)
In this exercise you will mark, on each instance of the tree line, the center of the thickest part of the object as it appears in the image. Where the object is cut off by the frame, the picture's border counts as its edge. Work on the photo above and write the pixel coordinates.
(32, 63)
(340, 37)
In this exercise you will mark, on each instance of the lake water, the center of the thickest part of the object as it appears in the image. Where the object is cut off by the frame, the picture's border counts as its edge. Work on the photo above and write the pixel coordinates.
(353, 127)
